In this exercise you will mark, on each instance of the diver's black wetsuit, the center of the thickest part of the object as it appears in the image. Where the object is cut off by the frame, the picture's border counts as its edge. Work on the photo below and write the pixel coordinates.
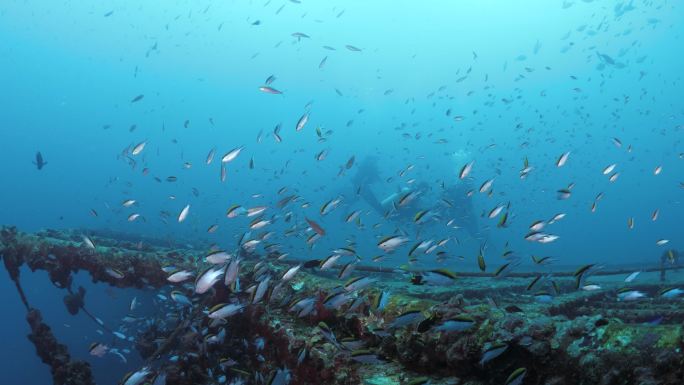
(367, 175)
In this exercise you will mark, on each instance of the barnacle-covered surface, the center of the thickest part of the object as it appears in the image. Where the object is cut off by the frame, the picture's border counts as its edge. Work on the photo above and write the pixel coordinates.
(576, 336)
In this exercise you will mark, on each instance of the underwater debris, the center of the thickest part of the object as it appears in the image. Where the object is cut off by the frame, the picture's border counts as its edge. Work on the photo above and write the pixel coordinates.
(74, 301)
(448, 332)
(56, 355)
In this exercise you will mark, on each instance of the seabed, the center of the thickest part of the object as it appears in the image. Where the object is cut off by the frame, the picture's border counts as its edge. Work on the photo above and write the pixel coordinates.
(579, 337)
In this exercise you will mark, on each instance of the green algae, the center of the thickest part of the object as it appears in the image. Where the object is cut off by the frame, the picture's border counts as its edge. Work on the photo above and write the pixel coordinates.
(577, 337)
(381, 379)
(671, 337)
(399, 303)
(635, 338)
(485, 332)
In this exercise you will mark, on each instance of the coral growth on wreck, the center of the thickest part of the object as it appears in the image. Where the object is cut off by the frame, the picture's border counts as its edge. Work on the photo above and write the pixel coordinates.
(580, 338)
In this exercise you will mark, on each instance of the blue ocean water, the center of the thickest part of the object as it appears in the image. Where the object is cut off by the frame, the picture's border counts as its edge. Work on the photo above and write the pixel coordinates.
(413, 91)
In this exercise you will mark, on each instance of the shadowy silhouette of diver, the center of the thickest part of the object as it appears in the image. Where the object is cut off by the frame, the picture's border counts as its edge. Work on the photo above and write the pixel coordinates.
(454, 202)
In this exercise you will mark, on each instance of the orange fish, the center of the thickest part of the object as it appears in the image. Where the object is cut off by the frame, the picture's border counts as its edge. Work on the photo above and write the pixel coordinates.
(315, 226)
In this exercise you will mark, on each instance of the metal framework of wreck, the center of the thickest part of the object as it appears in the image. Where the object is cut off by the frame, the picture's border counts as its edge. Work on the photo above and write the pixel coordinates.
(581, 337)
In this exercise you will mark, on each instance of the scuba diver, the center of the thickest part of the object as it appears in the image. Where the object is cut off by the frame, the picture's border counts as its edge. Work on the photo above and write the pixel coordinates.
(399, 206)
(366, 176)
(403, 206)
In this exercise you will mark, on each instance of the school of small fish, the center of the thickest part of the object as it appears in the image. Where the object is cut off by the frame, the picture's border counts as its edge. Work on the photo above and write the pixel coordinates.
(493, 171)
